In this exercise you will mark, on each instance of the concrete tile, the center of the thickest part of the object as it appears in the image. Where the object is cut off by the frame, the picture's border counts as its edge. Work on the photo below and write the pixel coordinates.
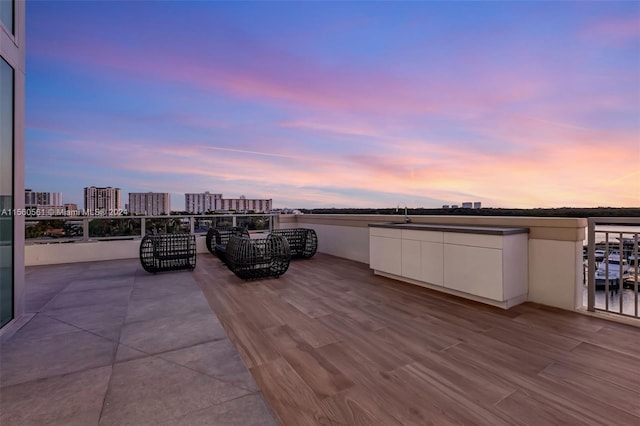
(108, 296)
(250, 410)
(125, 353)
(219, 359)
(41, 326)
(23, 360)
(34, 304)
(161, 285)
(72, 399)
(99, 283)
(170, 333)
(147, 308)
(110, 333)
(97, 317)
(112, 268)
(151, 391)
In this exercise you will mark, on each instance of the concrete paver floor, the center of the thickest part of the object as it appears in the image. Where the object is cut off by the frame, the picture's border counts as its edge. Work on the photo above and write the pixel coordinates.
(110, 344)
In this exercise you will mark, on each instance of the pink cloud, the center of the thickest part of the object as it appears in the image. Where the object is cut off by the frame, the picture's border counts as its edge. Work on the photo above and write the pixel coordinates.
(551, 174)
(614, 29)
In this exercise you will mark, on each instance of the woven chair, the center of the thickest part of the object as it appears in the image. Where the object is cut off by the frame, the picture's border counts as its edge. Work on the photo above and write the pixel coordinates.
(168, 252)
(302, 241)
(218, 238)
(254, 258)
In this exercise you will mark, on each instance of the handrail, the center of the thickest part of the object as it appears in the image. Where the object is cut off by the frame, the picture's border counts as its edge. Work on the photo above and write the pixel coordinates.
(614, 281)
(185, 223)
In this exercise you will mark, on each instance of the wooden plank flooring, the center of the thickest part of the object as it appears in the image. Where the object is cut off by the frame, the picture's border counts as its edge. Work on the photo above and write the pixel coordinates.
(329, 343)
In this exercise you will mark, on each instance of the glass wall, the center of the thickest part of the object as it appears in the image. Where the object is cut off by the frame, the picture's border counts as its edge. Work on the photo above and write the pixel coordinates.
(6, 14)
(6, 191)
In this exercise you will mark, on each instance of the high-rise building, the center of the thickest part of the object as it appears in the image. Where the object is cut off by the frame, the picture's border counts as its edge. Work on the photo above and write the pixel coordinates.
(244, 204)
(149, 203)
(44, 203)
(36, 198)
(102, 201)
(12, 96)
(201, 202)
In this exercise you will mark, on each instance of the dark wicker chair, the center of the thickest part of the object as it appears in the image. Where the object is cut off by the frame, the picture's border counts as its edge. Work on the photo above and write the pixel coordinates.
(168, 252)
(218, 238)
(303, 242)
(253, 258)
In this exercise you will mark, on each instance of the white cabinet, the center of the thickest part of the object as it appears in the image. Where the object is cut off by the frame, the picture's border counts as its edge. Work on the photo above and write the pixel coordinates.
(432, 266)
(488, 264)
(411, 259)
(474, 270)
(385, 250)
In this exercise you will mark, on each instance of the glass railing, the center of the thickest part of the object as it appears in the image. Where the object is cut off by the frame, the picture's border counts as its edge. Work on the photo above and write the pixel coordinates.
(46, 230)
(612, 265)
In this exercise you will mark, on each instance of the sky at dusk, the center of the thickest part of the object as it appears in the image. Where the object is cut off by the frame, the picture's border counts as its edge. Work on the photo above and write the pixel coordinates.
(337, 104)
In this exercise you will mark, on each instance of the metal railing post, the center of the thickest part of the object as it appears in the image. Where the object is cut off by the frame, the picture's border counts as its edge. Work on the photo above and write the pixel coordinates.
(636, 268)
(591, 261)
(616, 271)
(85, 229)
(621, 274)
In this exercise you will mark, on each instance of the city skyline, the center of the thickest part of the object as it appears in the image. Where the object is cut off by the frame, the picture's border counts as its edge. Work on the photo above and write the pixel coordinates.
(342, 104)
(111, 200)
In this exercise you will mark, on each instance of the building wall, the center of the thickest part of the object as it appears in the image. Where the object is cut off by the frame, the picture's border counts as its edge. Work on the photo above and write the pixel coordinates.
(200, 202)
(38, 198)
(52, 254)
(242, 204)
(44, 203)
(99, 200)
(12, 51)
(149, 203)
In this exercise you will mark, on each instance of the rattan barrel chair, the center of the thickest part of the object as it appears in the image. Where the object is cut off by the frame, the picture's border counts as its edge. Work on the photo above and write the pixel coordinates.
(218, 238)
(168, 252)
(303, 242)
(254, 258)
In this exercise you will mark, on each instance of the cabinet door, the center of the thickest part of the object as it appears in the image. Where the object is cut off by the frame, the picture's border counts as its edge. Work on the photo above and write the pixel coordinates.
(474, 270)
(385, 254)
(411, 259)
(432, 270)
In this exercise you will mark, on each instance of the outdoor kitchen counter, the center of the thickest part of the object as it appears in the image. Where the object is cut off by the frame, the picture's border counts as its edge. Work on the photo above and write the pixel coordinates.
(487, 264)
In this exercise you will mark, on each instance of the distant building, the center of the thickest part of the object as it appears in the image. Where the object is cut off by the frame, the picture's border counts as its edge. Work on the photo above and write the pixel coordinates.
(477, 205)
(244, 204)
(204, 202)
(201, 202)
(467, 205)
(454, 206)
(36, 198)
(149, 203)
(445, 206)
(102, 201)
(43, 203)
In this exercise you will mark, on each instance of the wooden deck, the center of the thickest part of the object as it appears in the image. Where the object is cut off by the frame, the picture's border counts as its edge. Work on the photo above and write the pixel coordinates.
(331, 343)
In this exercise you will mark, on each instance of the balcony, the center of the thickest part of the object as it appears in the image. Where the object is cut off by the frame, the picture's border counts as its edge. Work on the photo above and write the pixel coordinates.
(329, 342)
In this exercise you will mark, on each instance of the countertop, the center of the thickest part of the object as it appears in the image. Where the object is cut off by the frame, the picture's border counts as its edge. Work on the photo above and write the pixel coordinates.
(491, 230)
